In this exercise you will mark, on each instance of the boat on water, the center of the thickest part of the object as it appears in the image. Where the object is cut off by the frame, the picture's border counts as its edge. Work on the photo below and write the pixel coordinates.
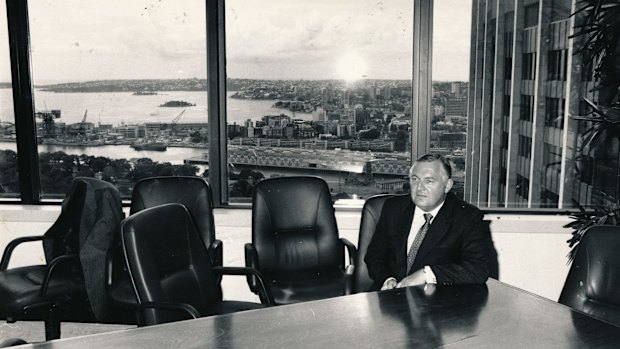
(71, 142)
(150, 146)
(145, 93)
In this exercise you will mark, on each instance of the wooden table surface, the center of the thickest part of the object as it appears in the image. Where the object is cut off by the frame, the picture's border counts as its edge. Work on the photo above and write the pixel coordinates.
(494, 315)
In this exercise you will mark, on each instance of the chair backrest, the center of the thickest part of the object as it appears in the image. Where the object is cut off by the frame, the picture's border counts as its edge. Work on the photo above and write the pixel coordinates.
(167, 262)
(370, 216)
(593, 281)
(88, 226)
(294, 228)
(192, 192)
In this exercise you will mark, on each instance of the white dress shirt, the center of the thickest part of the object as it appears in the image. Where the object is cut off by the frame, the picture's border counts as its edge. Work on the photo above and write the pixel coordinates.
(418, 222)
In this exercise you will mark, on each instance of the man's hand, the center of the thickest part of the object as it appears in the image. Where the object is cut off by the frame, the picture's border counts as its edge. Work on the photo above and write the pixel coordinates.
(415, 279)
(389, 284)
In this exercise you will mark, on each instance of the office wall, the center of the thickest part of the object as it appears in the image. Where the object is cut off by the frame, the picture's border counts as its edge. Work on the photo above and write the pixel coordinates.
(531, 248)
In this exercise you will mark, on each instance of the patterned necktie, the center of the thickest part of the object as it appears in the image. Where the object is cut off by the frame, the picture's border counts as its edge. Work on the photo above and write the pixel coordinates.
(415, 246)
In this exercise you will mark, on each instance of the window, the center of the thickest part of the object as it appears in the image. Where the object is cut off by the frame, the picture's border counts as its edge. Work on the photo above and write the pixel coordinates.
(529, 66)
(527, 108)
(112, 75)
(9, 179)
(523, 185)
(115, 84)
(557, 64)
(548, 199)
(560, 10)
(120, 90)
(317, 94)
(531, 15)
(545, 153)
(554, 112)
(525, 146)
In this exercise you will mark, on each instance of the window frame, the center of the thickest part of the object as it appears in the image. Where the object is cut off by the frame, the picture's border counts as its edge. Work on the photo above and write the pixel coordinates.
(22, 87)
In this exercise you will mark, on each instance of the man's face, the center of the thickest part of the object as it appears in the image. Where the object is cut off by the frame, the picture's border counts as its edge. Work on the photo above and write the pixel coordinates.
(429, 184)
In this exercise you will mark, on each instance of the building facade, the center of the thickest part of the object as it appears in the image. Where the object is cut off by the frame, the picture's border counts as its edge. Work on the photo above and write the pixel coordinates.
(526, 81)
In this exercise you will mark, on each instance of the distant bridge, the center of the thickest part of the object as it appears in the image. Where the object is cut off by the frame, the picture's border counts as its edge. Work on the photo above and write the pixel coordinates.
(311, 159)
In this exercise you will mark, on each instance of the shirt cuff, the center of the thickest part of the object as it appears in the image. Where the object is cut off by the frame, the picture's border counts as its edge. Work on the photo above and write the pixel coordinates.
(429, 275)
(388, 279)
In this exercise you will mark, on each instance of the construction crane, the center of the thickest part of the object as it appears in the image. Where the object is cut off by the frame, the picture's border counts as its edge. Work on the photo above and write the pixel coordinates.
(48, 117)
(174, 122)
(82, 129)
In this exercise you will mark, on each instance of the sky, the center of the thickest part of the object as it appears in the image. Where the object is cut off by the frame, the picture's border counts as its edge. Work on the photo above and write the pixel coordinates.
(80, 40)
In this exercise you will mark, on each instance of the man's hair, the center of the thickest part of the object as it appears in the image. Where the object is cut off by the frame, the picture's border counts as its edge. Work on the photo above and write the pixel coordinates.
(436, 157)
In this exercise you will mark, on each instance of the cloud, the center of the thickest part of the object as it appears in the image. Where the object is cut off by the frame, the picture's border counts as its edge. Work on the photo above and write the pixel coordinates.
(305, 39)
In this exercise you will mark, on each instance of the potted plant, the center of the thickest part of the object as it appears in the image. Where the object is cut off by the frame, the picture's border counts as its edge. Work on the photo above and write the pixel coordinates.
(599, 27)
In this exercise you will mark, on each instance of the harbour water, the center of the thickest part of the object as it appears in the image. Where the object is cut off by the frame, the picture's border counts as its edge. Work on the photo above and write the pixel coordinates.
(118, 108)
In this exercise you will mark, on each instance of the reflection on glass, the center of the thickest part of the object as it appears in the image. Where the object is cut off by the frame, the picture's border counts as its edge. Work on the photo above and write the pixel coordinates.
(120, 90)
(9, 178)
(535, 150)
(319, 88)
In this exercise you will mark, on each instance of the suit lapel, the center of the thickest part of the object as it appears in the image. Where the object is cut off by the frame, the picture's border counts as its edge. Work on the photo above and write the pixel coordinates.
(438, 228)
(404, 226)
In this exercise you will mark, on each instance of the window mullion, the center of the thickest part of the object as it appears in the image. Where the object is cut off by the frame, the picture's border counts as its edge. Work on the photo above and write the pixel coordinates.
(25, 126)
(216, 76)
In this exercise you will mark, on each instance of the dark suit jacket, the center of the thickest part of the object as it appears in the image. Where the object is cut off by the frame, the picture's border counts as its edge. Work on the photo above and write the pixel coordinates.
(456, 246)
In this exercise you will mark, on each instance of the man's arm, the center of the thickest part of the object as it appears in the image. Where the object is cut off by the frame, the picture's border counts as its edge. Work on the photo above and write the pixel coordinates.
(473, 263)
(378, 253)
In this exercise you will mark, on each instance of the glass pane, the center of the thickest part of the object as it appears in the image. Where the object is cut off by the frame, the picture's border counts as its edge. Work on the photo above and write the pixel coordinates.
(451, 45)
(535, 158)
(319, 88)
(9, 178)
(120, 89)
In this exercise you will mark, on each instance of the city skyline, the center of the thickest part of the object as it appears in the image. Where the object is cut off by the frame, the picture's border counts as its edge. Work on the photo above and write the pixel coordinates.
(164, 39)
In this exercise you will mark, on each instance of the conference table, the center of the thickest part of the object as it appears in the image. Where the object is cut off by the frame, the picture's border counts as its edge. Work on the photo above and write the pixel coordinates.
(494, 315)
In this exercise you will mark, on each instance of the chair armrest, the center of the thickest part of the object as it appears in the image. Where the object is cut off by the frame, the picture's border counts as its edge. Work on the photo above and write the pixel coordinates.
(264, 292)
(8, 251)
(349, 277)
(51, 268)
(251, 261)
(181, 307)
(216, 252)
(118, 283)
(351, 249)
(110, 264)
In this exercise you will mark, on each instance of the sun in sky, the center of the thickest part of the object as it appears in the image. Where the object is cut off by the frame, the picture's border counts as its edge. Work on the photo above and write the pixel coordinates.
(351, 66)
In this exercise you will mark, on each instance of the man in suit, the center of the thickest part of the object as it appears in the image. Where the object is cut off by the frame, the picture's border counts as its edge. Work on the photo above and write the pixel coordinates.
(429, 236)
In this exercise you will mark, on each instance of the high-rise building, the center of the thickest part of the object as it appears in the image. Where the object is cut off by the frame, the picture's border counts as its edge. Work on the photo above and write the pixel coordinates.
(526, 80)
(456, 107)
(455, 89)
(387, 93)
(346, 97)
(372, 91)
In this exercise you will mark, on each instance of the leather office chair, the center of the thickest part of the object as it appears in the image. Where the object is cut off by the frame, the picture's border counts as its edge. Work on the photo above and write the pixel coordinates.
(593, 280)
(171, 270)
(192, 192)
(295, 242)
(71, 286)
(371, 212)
